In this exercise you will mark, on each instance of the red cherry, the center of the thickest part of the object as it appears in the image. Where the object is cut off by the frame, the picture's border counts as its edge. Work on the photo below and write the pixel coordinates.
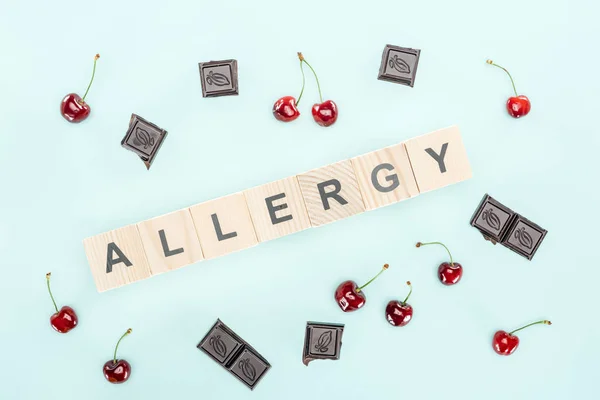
(505, 343)
(518, 105)
(64, 320)
(399, 314)
(449, 273)
(117, 371)
(285, 109)
(326, 113)
(74, 108)
(350, 297)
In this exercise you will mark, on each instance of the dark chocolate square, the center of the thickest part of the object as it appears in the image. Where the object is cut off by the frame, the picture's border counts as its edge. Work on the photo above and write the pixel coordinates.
(492, 218)
(524, 237)
(322, 341)
(249, 367)
(219, 78)
(399, 65)
(144, 139)
(220, 343)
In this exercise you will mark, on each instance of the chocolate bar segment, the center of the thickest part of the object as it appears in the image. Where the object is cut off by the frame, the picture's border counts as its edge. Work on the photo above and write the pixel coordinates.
(219, 78)
(144, 139)
(524, 237)
(399, 65)
(322, 341)
(492, 218)
(234, 354)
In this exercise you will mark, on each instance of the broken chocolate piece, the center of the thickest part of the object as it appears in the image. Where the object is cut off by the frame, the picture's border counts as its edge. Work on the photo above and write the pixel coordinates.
(399, 65)
(322, 341)
(219, 78)
(492, 218)
(524, 237)
(234, 354)
(144, 139)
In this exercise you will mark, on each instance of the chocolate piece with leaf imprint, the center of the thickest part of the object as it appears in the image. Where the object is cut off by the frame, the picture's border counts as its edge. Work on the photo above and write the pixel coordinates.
(144, 139)
(234, 354)
(492, 218)
(219, 78)
(322, 341)
(524, 237)
(399, 65)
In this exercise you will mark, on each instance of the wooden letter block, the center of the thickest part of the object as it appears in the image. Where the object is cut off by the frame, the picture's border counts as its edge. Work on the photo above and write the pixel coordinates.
(170, 241)
(438, 159)
(277, 209)
(385, 176)
(331, 193)
(117, 258)
(224, 225)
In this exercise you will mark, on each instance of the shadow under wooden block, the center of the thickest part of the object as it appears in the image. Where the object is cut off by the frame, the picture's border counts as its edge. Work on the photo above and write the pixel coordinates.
(117, 258)
(331, 193)
(277, 209)
(438, 159)
(223, 225)
(385, 176)
(170, 241)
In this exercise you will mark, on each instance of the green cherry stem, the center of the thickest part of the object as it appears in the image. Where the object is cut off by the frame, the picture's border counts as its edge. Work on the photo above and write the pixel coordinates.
(545, 322)
(301, 57)
(50, 291)
(409, 293)
(303, 79)
(385, 266)
(419, 244)
(117, 346)
(505, 70)
(91, 80)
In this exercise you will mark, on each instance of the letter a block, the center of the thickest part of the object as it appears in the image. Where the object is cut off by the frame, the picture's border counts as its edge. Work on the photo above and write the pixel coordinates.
(438, 159)
(385, 176)
(117, 258)
(224, 225)
(331, 193)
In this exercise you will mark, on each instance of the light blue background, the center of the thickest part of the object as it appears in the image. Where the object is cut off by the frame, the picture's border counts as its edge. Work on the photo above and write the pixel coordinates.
(62, 183)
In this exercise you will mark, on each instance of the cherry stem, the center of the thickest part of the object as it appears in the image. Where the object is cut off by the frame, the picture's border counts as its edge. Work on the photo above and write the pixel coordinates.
(303, 81)
(385, 266)
(440, 243)
(505, 70)
(302, 60)
(50, 291)
(91, 80)
(117, 346)
(409, 293)
(545, 322)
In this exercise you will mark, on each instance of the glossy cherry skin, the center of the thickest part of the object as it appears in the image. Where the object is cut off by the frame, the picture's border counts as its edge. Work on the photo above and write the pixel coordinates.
(450, 274)
(398, 314)
(116, 372)
(326, 113)
(348, 298)
(285, 109)
(73, 109)
(64, 320)
(518, 106)
(504, 343)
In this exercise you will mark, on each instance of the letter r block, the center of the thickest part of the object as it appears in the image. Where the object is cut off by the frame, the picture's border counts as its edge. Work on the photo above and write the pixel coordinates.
(331, 193)
(122, 249)
(385, 176)
(438, 159)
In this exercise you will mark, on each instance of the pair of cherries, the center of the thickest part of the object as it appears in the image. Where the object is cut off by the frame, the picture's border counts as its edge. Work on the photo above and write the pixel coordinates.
(286, 108)
(350, 297)
(65, 319)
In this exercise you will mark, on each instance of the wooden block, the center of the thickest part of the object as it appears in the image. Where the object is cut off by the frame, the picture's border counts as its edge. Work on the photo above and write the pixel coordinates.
(117, 258)
(438, 159)
(277, 209)
(224, 225)
(385, 176)
(170, 241)
(331, 193)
